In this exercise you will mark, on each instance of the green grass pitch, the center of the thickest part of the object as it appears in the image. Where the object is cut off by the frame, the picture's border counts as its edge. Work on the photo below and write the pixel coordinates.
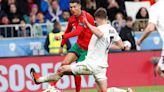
(137, 89)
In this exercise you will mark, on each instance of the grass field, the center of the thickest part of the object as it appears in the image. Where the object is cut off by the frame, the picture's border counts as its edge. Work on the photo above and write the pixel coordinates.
(137, 89)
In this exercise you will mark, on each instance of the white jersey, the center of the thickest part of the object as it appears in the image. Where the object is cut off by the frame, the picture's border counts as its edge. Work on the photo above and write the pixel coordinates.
(156, 16)
(98, 48)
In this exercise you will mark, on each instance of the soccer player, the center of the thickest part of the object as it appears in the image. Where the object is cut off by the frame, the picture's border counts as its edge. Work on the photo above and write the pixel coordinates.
(156, 21)
(76, 27)
(96, 59)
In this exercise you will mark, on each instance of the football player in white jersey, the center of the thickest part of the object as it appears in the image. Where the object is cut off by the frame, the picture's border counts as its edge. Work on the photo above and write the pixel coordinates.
(96, 62)
(156, 21)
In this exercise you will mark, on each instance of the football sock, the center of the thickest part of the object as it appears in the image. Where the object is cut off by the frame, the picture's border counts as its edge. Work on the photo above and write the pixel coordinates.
(78, 82)
(49, 78)
(53, 83)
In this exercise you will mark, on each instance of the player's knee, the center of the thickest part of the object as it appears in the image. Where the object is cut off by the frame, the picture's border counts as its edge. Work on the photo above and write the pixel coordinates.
(64, 63)
(63, 69)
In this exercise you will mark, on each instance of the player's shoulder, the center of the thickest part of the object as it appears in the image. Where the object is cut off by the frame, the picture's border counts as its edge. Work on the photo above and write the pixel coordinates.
(156, 6)
(72, 19)
(88, 15)
(106, 26)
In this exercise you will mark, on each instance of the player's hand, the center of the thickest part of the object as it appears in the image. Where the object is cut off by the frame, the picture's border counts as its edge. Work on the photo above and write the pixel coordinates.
(127, 48)
(84, 18)
(61, 51)
(138, 42)
(127, 45)
(58, 37)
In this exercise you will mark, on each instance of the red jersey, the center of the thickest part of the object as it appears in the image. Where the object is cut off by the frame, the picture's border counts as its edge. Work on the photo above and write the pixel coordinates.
(151, 1)
(77, 27)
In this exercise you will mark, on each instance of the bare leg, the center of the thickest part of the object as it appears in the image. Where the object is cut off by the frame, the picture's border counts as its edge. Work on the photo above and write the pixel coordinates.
(101, 85)
(50, 77)
(69, 58)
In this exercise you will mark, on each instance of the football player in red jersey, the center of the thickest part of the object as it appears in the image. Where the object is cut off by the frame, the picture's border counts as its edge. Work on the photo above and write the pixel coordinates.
(76, 27)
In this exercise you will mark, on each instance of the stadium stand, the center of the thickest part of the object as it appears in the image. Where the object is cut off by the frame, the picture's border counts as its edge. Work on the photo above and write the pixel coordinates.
(36, 22)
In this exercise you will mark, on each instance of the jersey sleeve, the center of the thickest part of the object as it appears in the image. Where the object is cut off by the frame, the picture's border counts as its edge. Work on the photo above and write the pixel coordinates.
(81, 26)
(68, 29)
(116, 36)
(153, 15)
(76, 32)
(90, 19)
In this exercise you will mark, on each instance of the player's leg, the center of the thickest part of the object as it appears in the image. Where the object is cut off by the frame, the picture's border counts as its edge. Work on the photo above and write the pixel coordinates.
(101, 86)
(77, 78)
(42, 79)
(100, 78)
(69, 58)
(51, 77)
(159, 66)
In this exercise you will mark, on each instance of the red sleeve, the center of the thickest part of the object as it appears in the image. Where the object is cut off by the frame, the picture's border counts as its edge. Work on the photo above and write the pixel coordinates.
(90, 19)
(80, 27)
(76, 32)
(68, 29)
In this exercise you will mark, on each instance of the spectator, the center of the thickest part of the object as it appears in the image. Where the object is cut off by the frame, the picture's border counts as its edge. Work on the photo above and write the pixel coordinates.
(115, 6)
(65, 16)
(29, 4)
(14, 16)
(90, 6)
(44, 6)
(2, 13)
(32, 19)
(5, 31)
(141, 19)
(101, 3)
(64, 5)
(22, 6)
(23, 30)
(34, 9)
(119, 22)
(1, 5)
(55, 11)
(51, 45)
(43, 28)
(40, 18)
(142, 13)
(127, 33)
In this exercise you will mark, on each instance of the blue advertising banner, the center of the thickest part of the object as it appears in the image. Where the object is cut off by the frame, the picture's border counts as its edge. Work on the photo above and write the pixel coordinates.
(35, 46)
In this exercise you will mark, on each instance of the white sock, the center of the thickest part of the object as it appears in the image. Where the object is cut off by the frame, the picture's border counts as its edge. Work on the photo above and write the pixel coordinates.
(49, 78)
(113, 89)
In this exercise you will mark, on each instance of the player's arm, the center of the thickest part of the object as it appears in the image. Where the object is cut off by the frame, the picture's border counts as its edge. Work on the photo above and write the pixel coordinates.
(76, 32)
(153, 17)
(94, 29)
(118, 43)
(150, 28)
(68, 29)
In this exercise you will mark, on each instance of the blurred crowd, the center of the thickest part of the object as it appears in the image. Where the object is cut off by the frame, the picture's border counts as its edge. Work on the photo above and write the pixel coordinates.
(44, 11)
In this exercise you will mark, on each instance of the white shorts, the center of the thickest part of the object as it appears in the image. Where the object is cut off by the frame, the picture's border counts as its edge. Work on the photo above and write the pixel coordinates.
(84, 68)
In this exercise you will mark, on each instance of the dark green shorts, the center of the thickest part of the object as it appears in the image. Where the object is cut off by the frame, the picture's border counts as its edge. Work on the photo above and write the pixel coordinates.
(81, 53)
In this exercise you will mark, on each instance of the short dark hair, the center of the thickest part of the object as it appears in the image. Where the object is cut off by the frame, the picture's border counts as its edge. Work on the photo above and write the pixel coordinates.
(129, 18)
(101, 13)
(75, 1)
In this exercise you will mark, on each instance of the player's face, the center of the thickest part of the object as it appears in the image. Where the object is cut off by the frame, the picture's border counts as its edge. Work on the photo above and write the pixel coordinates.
(75, 9)
(98, 20)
